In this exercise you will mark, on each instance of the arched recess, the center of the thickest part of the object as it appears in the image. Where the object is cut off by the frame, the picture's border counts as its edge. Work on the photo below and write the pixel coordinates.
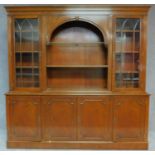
(82, 37)
(77, 57)
(83, 23)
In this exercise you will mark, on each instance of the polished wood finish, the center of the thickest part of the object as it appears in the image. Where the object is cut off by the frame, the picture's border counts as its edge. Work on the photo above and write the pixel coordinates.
(80, 145)
(129, 114)
(59, 118)
(77, 77)
(24, 118)
(94, 118)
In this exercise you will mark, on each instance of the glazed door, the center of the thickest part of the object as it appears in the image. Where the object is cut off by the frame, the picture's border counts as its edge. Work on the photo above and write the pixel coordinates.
(129, 53)
(129, 118)
(26, 53)
(24, 118)
(59, 118)
(94, 118)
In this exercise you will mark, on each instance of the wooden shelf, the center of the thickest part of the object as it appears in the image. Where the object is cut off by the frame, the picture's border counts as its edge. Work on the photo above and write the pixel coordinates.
(131, 79)
(127, 52)
(77, 66)
(27, 52)
(28, 31)
(27, 67)
(76, 43)
(127, 72)
(127, 30)
(27, 74)
(76, 90)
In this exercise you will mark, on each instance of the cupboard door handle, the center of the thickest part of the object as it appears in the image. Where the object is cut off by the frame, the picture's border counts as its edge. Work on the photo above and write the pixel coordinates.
(71, 102)
(35, 103)
(81, 102)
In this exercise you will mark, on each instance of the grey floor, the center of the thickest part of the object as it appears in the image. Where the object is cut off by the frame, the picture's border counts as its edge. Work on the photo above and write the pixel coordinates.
(3, 141)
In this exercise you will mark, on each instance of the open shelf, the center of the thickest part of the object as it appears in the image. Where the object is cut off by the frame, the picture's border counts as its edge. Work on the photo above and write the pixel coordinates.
(76, 58)
(71, 78)
(76, 90)
(76, 43)
(77, 66)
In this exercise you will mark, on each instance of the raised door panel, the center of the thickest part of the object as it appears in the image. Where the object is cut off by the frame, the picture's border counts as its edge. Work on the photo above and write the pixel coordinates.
(130, 118)
(59, 122)
(94, 118)
(24, 118)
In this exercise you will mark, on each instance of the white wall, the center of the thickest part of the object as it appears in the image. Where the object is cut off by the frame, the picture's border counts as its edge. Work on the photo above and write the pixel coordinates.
(150, 83)
(3, 65)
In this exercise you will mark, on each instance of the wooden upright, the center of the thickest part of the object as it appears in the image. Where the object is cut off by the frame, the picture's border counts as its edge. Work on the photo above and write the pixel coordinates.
(77, 77)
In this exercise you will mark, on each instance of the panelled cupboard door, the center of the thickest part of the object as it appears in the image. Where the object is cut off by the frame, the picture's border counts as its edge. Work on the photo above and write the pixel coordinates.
(24, 118)
(59, 118)
(94, 118)
(130, 113)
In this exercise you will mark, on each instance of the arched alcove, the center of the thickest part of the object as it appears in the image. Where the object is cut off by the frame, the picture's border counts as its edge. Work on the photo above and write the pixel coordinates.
(80, 39)
(77, 56)
(77, 31)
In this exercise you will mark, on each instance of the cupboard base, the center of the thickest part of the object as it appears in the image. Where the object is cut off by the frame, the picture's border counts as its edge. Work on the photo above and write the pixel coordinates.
(79, 145)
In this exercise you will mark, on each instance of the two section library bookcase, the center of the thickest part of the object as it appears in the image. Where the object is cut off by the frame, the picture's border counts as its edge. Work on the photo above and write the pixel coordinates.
(77, 77)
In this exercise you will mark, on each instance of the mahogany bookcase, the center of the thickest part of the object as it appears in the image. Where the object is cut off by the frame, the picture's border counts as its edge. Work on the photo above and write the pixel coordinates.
(77, 77)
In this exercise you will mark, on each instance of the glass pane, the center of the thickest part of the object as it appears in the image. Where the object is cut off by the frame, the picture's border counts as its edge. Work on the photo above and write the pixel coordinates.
(137, 41)
(128, 24)
(124, 41)
(127, 52)
(27, 52)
